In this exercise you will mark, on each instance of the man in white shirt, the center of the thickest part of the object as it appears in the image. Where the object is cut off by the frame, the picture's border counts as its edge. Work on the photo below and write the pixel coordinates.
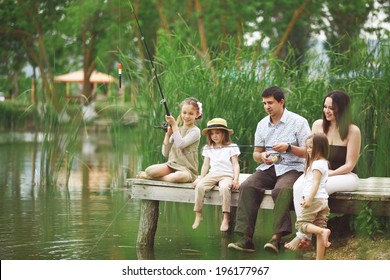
(282, 133)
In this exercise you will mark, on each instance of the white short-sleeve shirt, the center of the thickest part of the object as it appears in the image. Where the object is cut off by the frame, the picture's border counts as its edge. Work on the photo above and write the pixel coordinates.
(322, 166)
(292, 128)
(220, 158)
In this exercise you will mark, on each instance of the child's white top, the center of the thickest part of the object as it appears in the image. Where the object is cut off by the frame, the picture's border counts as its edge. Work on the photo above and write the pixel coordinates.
(220, 161)
(322, 166)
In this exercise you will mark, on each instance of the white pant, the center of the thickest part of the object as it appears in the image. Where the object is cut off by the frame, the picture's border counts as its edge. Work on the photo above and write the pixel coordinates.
(339, 183)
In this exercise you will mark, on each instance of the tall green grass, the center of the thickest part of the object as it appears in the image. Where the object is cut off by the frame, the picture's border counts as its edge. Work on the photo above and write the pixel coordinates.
(233, 91)
(58, 145)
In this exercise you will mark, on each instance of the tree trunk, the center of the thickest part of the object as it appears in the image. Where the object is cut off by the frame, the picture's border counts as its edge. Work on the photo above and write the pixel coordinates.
(297, 13)
(239, 40)
(15, 88)
(34, 99)
(89, 64)
(203, 41)
(202, 33)
(40, 57)
(163, 18)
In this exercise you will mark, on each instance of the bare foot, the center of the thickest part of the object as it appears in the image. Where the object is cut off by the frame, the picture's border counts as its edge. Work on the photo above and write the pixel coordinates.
(293, 244)
(325, 233)
(224, 225)
(198, 219)
(142, 175)
(304, 244)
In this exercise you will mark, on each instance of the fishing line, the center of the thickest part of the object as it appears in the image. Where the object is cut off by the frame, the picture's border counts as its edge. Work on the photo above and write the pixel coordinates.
(105, 231)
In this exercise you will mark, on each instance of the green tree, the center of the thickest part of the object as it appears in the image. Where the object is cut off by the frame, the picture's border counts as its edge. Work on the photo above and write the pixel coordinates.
(343, 23)
(30, 25)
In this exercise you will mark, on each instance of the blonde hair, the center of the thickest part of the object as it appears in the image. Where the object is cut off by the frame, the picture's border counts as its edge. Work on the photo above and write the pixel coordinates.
(195, 103)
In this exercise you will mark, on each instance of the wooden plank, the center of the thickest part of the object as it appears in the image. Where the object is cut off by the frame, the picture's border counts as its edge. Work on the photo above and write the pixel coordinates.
(186, 194)
(373, 191)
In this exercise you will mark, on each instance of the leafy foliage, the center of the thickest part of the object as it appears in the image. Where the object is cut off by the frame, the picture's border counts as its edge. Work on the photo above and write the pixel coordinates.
(367, 224)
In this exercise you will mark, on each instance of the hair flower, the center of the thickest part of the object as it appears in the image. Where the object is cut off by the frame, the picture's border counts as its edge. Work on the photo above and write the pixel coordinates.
(200, 108)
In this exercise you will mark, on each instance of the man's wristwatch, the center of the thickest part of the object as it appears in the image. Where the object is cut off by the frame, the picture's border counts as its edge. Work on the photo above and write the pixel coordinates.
(288, 148)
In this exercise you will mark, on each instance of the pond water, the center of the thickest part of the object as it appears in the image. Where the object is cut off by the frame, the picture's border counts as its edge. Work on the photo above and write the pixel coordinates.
(93, 218)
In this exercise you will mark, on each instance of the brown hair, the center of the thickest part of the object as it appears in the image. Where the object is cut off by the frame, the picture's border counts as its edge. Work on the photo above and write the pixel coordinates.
(320, 148)
(341, 111)
(225, 141)
(276, 92)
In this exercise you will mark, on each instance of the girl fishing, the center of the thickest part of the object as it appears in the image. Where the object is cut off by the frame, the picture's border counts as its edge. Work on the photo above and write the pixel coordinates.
(221, 163)
(180, 146)
(315, 210)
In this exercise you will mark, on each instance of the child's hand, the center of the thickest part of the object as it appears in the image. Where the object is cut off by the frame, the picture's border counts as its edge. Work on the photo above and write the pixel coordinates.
(306, 202)
(194, 183)
(170, 120)
(235, 185)
(172, 124)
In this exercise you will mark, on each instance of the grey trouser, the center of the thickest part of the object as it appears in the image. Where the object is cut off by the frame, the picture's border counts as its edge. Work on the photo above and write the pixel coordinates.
(251, 194)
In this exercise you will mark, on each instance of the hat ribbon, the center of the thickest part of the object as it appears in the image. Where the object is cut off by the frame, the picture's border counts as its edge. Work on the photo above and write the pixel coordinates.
(216, 125)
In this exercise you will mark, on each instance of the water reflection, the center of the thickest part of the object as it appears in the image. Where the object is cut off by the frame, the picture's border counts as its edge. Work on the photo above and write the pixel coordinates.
(85, 218)
(91, 216)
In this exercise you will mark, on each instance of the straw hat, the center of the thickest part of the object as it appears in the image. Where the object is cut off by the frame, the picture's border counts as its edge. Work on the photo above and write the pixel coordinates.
(217, 123)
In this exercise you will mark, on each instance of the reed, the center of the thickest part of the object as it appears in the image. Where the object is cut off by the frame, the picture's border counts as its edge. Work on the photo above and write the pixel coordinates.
(58, 146)
(232, 89)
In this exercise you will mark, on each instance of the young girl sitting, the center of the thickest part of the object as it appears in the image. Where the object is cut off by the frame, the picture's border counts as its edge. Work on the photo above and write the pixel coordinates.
(221, 163)
(180, 146)
(313, 218)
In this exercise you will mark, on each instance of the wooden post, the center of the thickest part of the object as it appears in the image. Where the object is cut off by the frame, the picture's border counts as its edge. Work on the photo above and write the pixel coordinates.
(148, 223)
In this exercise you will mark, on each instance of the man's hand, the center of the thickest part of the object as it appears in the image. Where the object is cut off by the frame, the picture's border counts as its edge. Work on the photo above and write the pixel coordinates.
(266, 158)
(280, 148)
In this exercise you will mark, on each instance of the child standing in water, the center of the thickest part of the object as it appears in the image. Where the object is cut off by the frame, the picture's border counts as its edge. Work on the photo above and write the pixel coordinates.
(313, 218)
(221, 163)
(180, 146)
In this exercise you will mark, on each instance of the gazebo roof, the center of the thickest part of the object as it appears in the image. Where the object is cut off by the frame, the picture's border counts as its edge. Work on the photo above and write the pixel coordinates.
(78, 77)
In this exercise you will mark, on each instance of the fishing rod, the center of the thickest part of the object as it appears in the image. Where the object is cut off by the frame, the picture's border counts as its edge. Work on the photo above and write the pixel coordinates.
(163, 125)
(236, 145)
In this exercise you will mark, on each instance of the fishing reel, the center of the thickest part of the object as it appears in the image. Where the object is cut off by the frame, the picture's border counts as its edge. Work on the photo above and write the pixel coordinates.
(164, 126)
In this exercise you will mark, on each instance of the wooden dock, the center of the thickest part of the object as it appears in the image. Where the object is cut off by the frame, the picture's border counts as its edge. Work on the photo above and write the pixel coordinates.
(373, 192)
